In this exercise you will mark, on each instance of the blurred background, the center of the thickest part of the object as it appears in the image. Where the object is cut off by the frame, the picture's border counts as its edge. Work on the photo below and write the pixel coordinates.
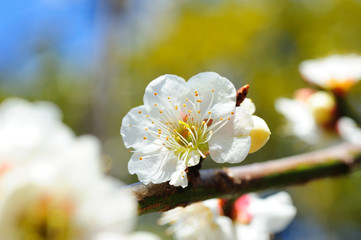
(94, 59)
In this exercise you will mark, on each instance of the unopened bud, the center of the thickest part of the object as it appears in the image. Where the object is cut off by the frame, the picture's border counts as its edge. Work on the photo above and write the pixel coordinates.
(259, 134)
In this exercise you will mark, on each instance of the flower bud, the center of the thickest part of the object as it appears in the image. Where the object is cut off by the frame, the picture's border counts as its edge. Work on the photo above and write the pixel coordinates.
(259, 134)
(322, 105)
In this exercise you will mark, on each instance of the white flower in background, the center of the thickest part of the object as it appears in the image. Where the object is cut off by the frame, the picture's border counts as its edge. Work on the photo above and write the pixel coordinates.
(253, 218)
(43, 201)
(349, 130)
(198, 221)
(52, 185)
(336, 72)
(182, 121)
(310, 115)
(257, 218)
(31, 132)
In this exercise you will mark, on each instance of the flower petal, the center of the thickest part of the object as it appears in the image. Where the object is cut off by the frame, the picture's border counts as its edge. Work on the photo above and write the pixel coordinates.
(229, 149)
(224, 99)
(273, 213)
(248, 106)
(133, 127)
(349, 130)
(179, 177)
(153, 164)
(160, 89)
(301, 121)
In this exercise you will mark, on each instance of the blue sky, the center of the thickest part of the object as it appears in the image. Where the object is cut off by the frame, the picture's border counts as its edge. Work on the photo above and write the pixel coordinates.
(27, 26)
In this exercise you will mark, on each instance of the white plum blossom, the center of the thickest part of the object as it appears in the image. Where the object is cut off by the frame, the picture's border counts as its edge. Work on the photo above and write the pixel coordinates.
(198, 221)
(349, 130)
(336, 72)
(252, 218)
(51, 182)
(43, 201)
(182, 121)
(257, 218)
(31, 132)
(310, 115)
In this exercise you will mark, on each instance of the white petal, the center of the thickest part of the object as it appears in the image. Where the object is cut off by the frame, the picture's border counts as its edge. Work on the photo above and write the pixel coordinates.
(272, 214)
(250, 232)
(248, 106)
(102, 211)
(339, 68)
(193, 158)
(226, 229)
(158, 91)
(179, 178)
(301, 121)
(349, 130)
(133, 127)
(242, 123)
(229, 149)
(224, 93)
(157, 164)
(131, 236)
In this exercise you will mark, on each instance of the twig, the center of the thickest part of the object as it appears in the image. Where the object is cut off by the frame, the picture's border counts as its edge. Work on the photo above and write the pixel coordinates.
(232, 182)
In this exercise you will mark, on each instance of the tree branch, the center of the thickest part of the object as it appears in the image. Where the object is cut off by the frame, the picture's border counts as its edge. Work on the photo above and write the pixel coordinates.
(234, 181)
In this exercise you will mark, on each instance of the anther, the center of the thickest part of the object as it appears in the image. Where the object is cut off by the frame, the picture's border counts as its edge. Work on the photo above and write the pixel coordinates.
(140, 112)
(168, 98)
(190, 111)
(155, 94)
(140, 158)
(130, 125)
(209, 112)
(212, 90)
(199, 100)
(175, 130)
(221, 119)
(144, 138)
(229, 118)
(176, 107)
(146, 129)
(204, 122)
(147, 115)
(232, 113)
(160, 111)
(187, 99)
(155, 104)
(184, 105)
(199, 111)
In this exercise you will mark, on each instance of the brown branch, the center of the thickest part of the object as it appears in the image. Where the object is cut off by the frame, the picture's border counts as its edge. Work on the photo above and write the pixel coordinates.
(232, 182)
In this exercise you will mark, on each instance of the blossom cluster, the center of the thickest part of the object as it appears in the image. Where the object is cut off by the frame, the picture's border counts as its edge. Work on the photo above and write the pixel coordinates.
(52, 184)
(318, 116)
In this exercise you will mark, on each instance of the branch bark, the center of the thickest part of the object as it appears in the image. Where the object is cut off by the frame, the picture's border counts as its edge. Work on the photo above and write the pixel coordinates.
(235, 181)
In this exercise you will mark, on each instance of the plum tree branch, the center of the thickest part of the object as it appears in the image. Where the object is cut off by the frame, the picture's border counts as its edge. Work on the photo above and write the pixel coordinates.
(234, 181)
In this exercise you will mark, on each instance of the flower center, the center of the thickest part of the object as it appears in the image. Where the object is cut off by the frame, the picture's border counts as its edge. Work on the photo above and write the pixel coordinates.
(47, 218)
(183, 127)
